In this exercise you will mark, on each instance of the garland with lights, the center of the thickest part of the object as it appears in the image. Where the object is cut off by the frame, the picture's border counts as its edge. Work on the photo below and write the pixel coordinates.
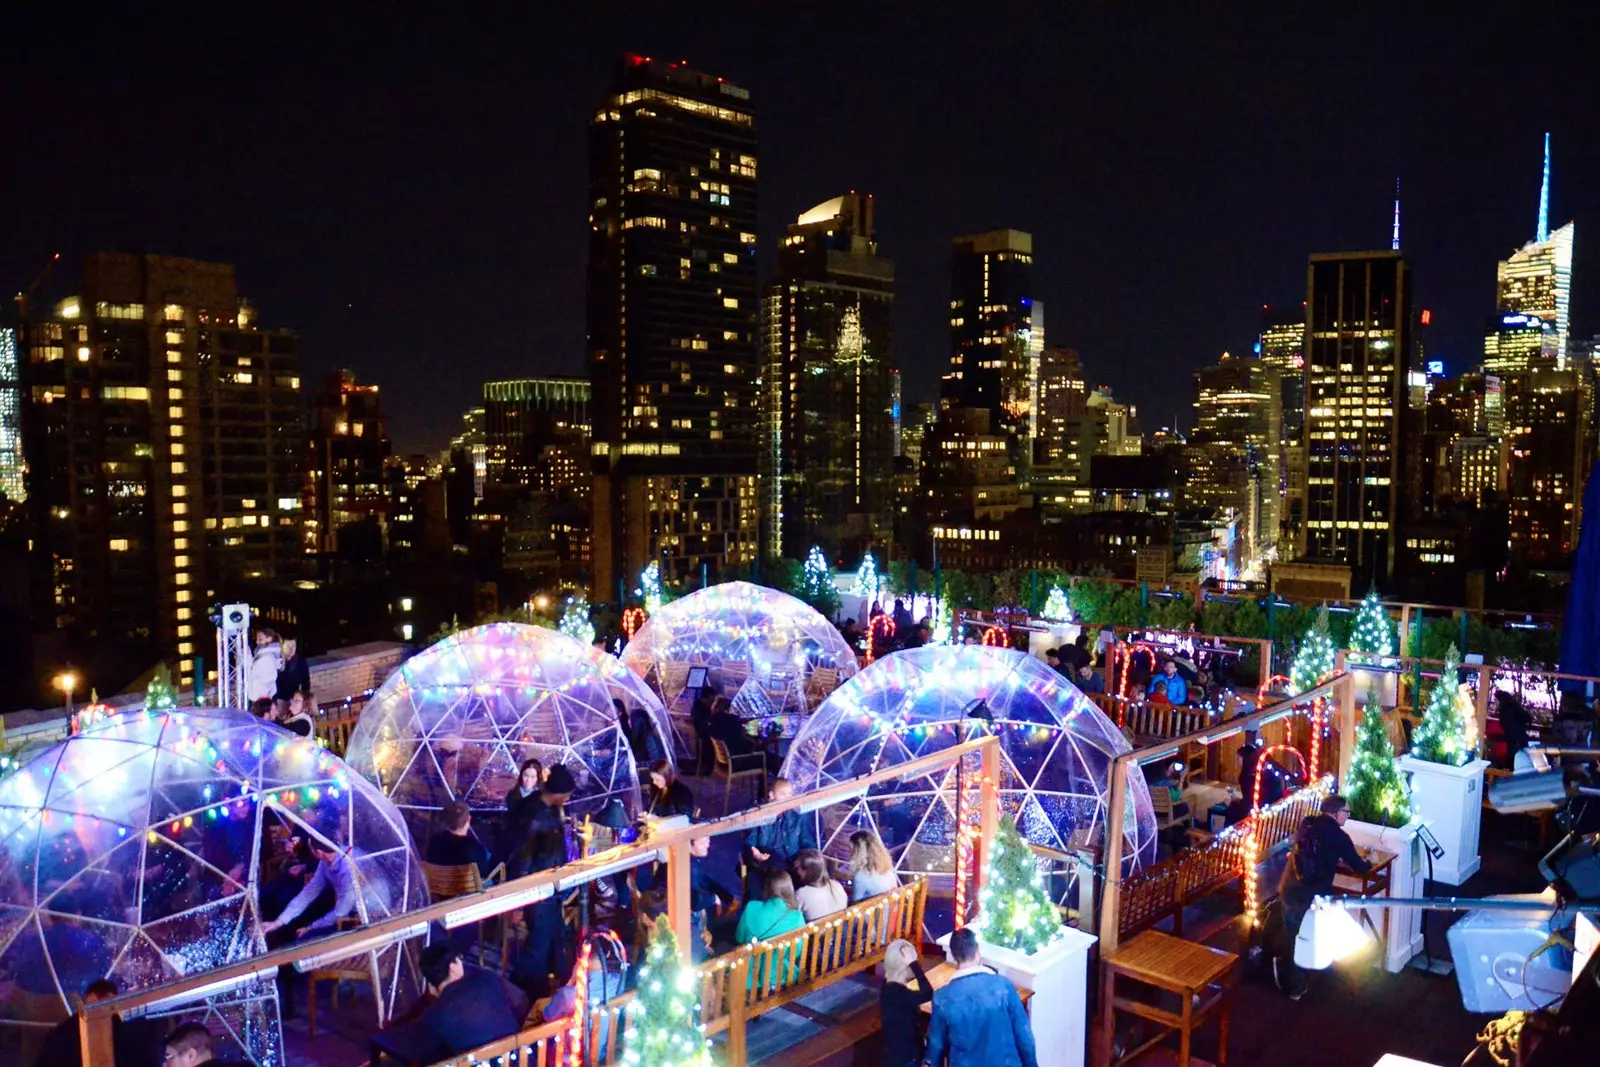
(968, 830)
(1057, 608)
(943, 630)
(632, 619)
(868, 584)
(575, 619)
(1373, 633)
(880, 635)
(1443, 736)
(663, 1025)
(1315, 659)
(649, 589)
(996, 637)
(1014, 909)
(1375, 787)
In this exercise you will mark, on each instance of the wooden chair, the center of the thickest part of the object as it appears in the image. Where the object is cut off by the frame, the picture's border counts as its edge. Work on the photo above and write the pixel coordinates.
(1166, 817)
(357, 968)
(729, 768)
(448, 881)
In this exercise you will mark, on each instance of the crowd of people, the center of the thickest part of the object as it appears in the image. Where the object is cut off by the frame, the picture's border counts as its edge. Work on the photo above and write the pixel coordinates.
(278, 683)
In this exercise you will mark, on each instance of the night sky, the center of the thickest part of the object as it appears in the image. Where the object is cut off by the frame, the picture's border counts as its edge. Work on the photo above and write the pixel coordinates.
(409, 191)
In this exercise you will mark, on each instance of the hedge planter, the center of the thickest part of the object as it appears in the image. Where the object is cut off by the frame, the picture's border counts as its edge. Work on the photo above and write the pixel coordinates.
(1403, 938)
(1058, 977)
(1450, 801)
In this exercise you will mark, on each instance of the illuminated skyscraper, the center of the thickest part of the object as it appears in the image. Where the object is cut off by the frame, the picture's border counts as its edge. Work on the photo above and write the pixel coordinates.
(996, 334)
(828, 413)
(1535, 281)
(1062, 396)
(1282, 345)
(1548, 452)
(1235, 445)
(536, 434)
(346, 481)
(11, 459)
(1358, 308)
(672, 311)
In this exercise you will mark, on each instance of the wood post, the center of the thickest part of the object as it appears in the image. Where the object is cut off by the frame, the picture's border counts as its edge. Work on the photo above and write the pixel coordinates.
(737, 997)
(680, 908)
(989, 814)
(1266, 663)
(1111, 900)
(95, 1039)
(1347, 725)
(1481, 705)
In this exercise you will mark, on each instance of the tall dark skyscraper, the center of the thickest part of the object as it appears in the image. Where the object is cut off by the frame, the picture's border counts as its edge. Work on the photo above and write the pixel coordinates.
(1358, 345)
(996, 333)
(829, 384)
(163, 430)
(347, 488)
(672, 312)
(536, 431)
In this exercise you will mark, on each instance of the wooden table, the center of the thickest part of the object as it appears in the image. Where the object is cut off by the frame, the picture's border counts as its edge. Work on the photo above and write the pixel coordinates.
(939, 976)
(1201, 976)
(1375, 883)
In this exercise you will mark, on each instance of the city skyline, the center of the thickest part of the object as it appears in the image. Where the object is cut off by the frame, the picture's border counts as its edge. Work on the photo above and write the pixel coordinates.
(427, 262)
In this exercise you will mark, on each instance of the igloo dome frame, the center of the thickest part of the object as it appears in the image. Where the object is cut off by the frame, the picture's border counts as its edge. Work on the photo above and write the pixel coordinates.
(768, 652)
(158, 801)
(503, 692)
(1056, 747)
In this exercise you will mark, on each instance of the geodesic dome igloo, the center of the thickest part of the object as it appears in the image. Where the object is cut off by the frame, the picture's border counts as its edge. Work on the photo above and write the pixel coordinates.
(134, 850)
(1057, 749)
(768, 652)
(455, 722)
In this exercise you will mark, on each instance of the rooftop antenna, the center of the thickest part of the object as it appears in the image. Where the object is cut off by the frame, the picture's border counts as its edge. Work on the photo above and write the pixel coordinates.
(1543, 233)
(1394, 242)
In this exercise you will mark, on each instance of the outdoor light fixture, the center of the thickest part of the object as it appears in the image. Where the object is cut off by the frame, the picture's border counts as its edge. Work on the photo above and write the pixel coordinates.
(211, 989)
(67, 681)
(1329, 934)
(488, 909)
(370, 944)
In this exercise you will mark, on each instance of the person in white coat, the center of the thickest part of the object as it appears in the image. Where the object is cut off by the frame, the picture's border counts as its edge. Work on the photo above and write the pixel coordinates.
(262, 681)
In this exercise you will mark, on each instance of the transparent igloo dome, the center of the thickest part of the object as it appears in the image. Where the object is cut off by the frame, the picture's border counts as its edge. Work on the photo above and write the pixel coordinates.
(1056, 746)
(135, 850)
(767, 652)
(455, 722)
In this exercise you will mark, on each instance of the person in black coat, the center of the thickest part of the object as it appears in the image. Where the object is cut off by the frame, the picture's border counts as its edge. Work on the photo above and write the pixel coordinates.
(771, 847)
(1320, 847)
(472, 1006)
(456, 845)
(905, 989)
(1514, 725)
(666, 795)
(294, 673)
(700, 717)
(545, 952)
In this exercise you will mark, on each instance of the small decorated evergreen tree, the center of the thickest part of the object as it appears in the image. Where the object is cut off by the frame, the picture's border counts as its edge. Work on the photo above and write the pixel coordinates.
(1376, 789)
(1056, 607)
(1315, 659)
(663, 1028)
(1373, 633)
(868, 584)
(649, 589)
(943, 627)
(159, 695)
(575, 619)
(1014, 909)
(1444, 735)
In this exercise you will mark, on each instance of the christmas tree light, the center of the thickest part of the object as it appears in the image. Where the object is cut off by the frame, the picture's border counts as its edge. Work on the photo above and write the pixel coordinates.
(575, 619)
(1014, 908)
(649, 589)
(1375, 788)
(663, 1028)
(1315, 660)
(868, 583)
(159, 694)
(818, 575)
(1373, 633)
(1443, 735)
(1056, 606)
(943, 629)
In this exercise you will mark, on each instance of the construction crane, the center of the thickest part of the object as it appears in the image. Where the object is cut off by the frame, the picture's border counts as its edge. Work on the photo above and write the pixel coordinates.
(23, 298)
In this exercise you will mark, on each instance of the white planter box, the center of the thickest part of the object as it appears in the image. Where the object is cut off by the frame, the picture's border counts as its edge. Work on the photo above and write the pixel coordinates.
(1404, 936)
(1058, 977)
(1450, 801)
(1384, 681)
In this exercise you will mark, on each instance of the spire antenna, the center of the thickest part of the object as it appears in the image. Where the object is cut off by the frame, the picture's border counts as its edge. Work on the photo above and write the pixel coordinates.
(1394, 242)
(1543, 233)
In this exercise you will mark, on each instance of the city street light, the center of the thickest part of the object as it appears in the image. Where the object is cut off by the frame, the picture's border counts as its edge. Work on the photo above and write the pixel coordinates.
(67, 681)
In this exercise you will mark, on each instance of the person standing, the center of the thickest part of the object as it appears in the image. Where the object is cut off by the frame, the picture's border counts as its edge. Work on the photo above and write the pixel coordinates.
(545, 952)
(261, 681)
(294, 675)
(1320, 846)
(905, 989)
(1075, 655)
(978, 1019)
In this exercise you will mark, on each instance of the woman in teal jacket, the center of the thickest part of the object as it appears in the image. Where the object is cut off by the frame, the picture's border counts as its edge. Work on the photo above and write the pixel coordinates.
(763, 920)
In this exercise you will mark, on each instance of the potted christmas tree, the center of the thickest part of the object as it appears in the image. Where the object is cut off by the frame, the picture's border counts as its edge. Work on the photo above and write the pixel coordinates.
(1372, 650)
(1025, 940)
(1447, 775)
(664, 1029)
(1315, 658)
(1381, 818)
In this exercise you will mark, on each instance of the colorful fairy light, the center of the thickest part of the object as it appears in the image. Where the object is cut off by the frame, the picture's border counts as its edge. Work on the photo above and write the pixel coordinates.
(632, 619)
(996, 637)
(880, 631)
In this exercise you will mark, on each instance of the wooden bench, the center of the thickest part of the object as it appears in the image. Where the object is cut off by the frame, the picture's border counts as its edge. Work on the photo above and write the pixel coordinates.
(741, 985)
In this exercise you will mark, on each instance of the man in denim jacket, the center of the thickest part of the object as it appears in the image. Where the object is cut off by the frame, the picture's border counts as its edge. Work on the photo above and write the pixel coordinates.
(978, 1017)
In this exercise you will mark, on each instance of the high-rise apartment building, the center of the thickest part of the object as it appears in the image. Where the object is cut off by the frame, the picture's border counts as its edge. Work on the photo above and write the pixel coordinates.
(536, 434)
(1358, 342)
(672, 314)
(1536, 280)
(996, 334)
(1063, 395)
(349, 482)
(12, 464)
(1235, 448)
(829, 386)
(162, 427)
(1282, 345)
(1548, 452)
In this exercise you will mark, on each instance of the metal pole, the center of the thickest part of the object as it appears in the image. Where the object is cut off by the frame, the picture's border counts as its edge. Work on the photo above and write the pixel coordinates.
(1463, 641)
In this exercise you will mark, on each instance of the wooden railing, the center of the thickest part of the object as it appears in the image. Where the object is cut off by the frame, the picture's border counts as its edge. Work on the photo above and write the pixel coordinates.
(1167, 888)
(735, 988)
(336, 721)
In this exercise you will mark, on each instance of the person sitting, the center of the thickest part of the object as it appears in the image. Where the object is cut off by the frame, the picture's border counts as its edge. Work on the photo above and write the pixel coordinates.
(1052, 659)
(819, 895)
(642, 739)
(728, 728)
(336, 871)
(456, 845)
(1515, 724)
(978, 1017)
(1158, 694)
(295, 718)
(900, 1004)
(62, 1045)
(667, 795)
(1076, 655)
(471, 1006)
(776, 914)
(1088, 680)
(871, 868)
(771, 847)
(1177, 689)
(189, 1046)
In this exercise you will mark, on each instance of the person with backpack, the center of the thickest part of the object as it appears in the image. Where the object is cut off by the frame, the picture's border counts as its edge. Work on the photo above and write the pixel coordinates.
(1320, 846)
